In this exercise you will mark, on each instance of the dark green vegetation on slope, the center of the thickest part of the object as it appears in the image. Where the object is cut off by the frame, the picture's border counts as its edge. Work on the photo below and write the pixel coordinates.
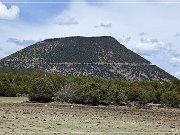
(102, 57)
(88, 90)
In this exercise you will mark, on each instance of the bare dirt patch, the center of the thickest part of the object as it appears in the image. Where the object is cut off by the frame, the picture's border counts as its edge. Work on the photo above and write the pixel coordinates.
(56, 118)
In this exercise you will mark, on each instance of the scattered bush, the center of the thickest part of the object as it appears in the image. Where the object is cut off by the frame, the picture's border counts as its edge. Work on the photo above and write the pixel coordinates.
(66, 93)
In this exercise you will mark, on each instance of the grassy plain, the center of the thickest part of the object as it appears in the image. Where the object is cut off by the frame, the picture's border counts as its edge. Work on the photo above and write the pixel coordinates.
(19, 117)
(13, 99)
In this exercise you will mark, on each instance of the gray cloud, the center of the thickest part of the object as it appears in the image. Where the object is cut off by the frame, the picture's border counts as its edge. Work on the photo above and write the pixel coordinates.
(146, 40)
(142, 34)
(65, 20)
(21, 42)
(102, 25)
(177, 35)
(124, 39)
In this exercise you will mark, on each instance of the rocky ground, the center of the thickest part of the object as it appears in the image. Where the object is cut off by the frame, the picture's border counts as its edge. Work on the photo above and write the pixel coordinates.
(58, 118)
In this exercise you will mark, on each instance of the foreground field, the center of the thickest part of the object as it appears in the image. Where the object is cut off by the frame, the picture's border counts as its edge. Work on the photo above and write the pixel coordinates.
(55, 118)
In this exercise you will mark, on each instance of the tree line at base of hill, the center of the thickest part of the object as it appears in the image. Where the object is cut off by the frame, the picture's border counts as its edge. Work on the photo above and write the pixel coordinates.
(89, 90)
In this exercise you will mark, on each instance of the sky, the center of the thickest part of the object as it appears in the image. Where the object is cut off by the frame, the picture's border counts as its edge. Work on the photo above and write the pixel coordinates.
(150, 28)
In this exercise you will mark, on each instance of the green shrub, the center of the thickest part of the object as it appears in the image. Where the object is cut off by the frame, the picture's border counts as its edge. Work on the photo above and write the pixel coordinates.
(90, 93)
(88, 90)
(171, 98)
(41, 90)
(117, 94)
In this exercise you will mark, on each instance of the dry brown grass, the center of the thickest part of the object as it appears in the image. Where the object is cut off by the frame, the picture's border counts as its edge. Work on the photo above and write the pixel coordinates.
(56, 118)
(13, 99)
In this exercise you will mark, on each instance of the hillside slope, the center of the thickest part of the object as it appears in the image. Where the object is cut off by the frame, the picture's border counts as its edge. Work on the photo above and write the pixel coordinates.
(85, 56)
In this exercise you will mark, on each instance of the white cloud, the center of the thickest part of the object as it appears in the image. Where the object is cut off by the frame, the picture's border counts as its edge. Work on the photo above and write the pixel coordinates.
(175, 61)
(150, 47)
(8, 14)
(65, 20)
(177, 74)
(176, 52)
